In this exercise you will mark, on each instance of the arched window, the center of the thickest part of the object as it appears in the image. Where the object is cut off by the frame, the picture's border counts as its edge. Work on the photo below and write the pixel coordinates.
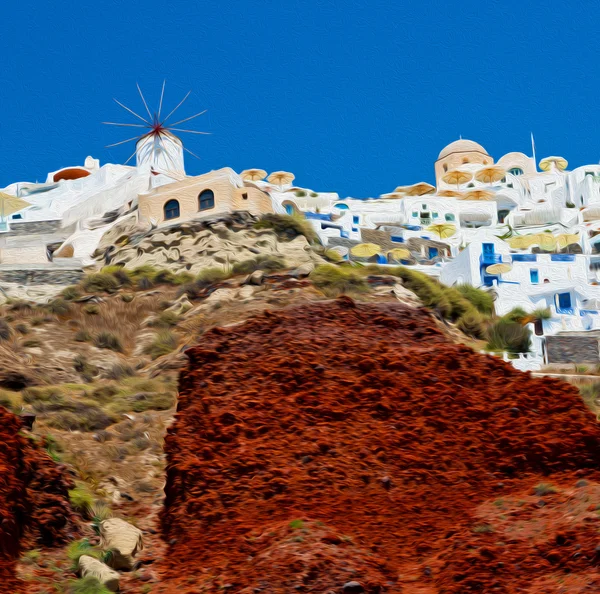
(171, 209)
(516, 171)
(466, 160)
(445, 168)
(450, 217)
(206, 200)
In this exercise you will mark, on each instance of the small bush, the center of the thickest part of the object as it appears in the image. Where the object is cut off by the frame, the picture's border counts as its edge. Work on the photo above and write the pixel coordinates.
(544, 489)
(32, 343)
(81, 500)
(483, 529)
(164, 342)
(336, 280)
(87, 370)
(71, 293)
(5, 331)
(300, 193)
(108, 340)
(30, 557)
(127, 297)
(288, 227)
(210, 276)
(83, 336)
(481, 300)
(313, 194)
(20, 305)
(118, 273)
(144, 283)
(151, 401)
(119, 371)
(91, 309)
(22, 328)
(166, 319)
(82, 417)
(59, 307)
(87, 585)
(262, 262)
(100, 282)
(472, 324)
(509, 336)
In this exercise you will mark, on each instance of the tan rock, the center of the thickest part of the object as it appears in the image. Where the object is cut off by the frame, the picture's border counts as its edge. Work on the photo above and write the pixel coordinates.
(123, 539)
(88, 566)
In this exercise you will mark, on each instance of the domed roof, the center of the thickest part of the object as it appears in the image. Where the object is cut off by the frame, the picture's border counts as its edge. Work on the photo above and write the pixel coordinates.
(461, 146)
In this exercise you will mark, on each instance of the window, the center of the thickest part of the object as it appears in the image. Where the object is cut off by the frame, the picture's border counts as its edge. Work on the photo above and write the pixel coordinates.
(424, 206)
(289, 208)
(433, 252)
(516, 171)
(244, 196)
(171, 210)
(470, 185)
(16, 216)
(415, 214)
(206, 200)
(356, 219)
(445, 168)
(465, 160)
(449, 217)
(502, 214)
(534, 276)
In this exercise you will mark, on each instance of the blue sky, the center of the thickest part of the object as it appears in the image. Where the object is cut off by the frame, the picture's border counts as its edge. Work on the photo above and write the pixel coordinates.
(353, 97)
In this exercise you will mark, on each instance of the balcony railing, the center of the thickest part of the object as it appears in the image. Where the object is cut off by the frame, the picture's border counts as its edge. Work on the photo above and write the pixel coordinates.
(490, 258)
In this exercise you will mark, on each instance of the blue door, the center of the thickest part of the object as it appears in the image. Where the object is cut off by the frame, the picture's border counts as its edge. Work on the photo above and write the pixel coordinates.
(488, 248)
(433, 252)
(534, 275)
(289, 209)
(381, 259)
(564, 300)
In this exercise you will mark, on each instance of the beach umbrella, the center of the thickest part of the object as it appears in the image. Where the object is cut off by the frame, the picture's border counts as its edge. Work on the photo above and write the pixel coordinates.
(443, 230)
(547, 163)
(394, 195)
(489, 175)
(478, 195)
(253, 174)
(449, 194)
(420, 189)
(399, 254)
(546, 241)
(365, 250)
(457, 177)
(498, 268)
(11, 204)
(281, 178)
(565, 239)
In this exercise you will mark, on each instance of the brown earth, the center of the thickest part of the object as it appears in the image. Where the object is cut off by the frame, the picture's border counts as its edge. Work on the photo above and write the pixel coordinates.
(34, 502)
(335, 443)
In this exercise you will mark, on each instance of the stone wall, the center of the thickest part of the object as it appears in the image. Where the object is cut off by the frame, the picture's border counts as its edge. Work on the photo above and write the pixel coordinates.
(57, 276)
(573, 349)
(34, 228)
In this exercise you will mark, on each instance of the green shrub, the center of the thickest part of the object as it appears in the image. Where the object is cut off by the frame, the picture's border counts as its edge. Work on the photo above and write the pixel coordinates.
(119, 371)
(166, 319)
(127, 297)
(334, 280)
(19, 305)
(83, 336)
(164, 342)
(288, 227)
(145, 283)
(31, 557)
(91, 309)
(83, 417)
(81, 500)
(144, 271)
(313, 194)
(5, 331)
(210, 276)
(100, 282)
(144, 401)
(333, 256)
(300, 193)
(509, 336)
(71, 293)
(119, 273)
(87, 585)
(108, 340)
(591, 396)
(87, 370)
(32, 343)
(517, 314)
(22, 328)
(544, 489)
(264, 262)
(482, 300)
(58, 307)
(472, 324)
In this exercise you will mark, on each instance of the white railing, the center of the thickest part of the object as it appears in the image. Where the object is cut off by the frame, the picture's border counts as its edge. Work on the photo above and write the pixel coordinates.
(521, 361)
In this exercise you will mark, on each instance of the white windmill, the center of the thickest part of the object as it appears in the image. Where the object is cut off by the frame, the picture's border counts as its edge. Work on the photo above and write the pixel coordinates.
(157, 148)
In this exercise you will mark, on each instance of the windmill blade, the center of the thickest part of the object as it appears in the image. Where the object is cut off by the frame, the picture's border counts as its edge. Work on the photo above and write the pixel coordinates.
(133, 112)
(178, 106)
(144, 100)
(120, 124)
(190, 131)
(188, 119)
(183, 147)
(162, 93)
(122, 141)
(161, 138)
(133, 155)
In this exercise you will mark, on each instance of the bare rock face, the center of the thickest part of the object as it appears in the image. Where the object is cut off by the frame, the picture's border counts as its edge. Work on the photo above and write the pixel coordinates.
(88, 566)
(124, 540)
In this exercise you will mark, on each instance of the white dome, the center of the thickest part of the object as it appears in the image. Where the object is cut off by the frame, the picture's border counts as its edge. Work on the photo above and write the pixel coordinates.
(462, 146)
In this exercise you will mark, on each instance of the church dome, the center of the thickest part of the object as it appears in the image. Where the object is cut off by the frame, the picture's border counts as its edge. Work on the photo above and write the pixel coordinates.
(462, 146)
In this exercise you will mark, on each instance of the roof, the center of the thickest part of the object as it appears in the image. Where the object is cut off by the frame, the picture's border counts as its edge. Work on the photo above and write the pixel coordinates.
(461, 146)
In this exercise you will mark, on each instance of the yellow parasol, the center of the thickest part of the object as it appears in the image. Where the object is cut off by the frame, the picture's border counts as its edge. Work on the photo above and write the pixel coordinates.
(498, 268)
(443, 230)
(547, 163)
(399, 254)
(546, 241)
(281, 178)
(457, 177)
(490, 175)
(365, 250)
(394, 195)
(11, 204)
(478, 195)
(449, 194)
(565, 239)
(420, 189)
(253, 174)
